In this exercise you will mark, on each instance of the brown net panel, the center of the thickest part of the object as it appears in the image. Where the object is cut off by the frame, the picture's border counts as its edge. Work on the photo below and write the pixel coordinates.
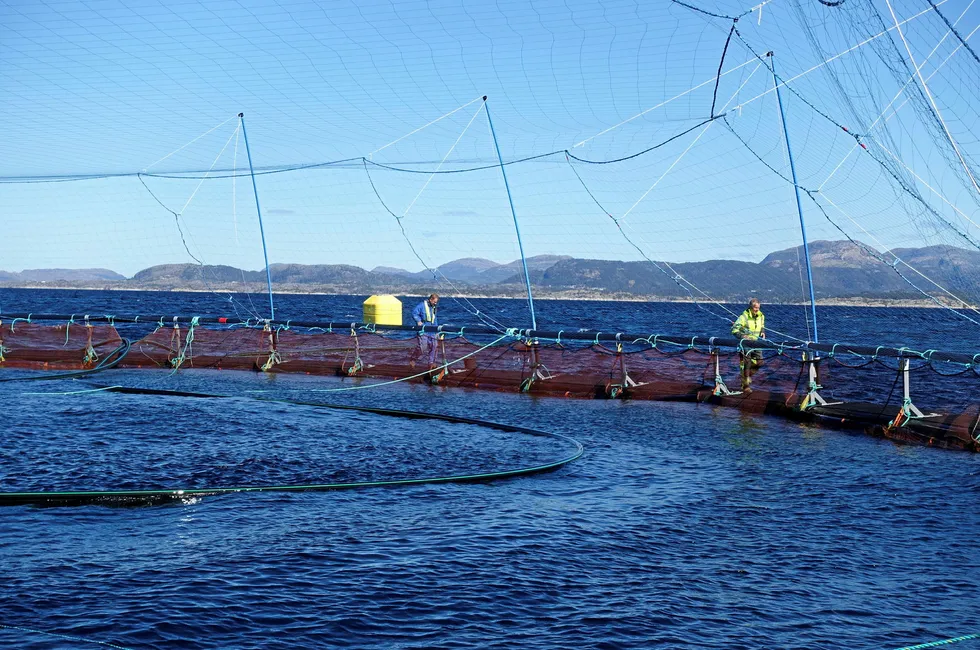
(863, 392)
(72, 346)
(186, 347)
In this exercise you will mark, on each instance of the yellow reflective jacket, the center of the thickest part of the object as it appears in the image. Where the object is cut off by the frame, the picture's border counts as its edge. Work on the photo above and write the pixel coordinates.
(748, 326)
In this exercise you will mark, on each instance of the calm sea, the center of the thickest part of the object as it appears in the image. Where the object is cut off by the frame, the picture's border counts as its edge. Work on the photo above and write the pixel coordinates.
(682, 526)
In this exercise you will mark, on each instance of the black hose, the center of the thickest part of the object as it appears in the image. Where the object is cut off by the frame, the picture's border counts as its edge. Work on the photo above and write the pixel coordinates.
(149, 497)
(105, 364)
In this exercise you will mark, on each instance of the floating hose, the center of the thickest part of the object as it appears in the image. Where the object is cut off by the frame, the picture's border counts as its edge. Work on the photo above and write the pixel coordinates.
(177, 494)
(111, 360)
(936, 644)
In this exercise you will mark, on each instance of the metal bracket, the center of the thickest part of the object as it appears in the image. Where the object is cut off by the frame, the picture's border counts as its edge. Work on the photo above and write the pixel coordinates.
(721, 389)
(909, 409)
(813, 397)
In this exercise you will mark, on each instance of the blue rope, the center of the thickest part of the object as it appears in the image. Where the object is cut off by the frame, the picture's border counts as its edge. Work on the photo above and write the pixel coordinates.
(14, 321)
(71, 320)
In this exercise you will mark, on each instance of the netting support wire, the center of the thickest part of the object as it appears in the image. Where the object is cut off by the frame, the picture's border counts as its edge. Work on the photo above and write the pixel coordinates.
(799, 205)
(255, 190)
(510, 199)
(932, 101)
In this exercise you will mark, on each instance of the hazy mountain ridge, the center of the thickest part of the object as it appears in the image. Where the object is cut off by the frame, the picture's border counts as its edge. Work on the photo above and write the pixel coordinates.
(841, 270)
(56, 275)
(477, 270)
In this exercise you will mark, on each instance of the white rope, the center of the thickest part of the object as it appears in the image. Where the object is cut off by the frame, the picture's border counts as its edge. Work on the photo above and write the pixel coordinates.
(684, 153)
(941, 65)
(444, 367)
(234, 196)
(467, 305)
(965, 304)
(901, 91)
(932, 100)
(837, 56)
(928, 186)
(205, 177)
(191, 142)
(667, 171)
(678, 276)
(758, 8)
(443, 161)
(665, 102)
(425, 126)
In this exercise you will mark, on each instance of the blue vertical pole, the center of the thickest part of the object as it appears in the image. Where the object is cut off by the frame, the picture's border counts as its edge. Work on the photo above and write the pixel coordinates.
(799, 206)
(520, 244)
(255, 189)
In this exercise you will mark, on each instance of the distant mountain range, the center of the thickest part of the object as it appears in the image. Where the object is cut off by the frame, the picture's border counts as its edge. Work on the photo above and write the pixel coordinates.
(31, 276)
(842, 270)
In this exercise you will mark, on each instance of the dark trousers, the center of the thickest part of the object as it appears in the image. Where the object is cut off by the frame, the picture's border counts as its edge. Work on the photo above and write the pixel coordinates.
(428, 346)
(748, 364)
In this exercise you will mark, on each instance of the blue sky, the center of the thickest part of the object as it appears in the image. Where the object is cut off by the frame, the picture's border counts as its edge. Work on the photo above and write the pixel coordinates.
(104, 88)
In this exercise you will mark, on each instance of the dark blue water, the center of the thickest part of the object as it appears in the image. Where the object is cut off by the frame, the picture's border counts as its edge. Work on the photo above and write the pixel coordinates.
(683, 526)
(916, 328)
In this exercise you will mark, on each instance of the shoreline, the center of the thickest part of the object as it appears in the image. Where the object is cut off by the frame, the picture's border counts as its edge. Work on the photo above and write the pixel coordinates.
(569, 294)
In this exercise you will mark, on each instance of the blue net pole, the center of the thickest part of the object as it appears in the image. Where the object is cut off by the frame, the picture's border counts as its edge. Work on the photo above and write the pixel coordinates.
(255, 189)
(520, 244)
(799, 206)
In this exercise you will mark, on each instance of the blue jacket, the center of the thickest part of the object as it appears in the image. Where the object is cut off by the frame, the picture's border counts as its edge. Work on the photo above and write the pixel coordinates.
(425, 313)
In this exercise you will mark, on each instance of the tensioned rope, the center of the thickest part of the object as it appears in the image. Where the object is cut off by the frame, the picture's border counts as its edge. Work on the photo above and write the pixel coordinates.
(320, 165)
(695, 141)
(660, 105)
(181, 148)
(457, 296)
(425, 126)
(952, 28)
(677, 278)
(901, 91)
(441, 162)
(932, 100)
(911, 191)
(234, 217)
(828, 60)
(400, 219)
(178, 215)
(812, 195)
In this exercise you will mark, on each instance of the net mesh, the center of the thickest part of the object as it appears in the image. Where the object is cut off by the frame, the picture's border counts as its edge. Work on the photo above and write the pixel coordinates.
(772, 380)
(669, 151)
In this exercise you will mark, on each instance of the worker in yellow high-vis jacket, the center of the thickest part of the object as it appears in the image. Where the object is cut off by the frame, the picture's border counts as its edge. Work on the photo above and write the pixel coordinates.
(750, 326)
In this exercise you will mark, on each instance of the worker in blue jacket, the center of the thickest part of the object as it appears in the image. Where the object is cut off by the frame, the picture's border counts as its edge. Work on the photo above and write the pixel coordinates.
(426, 313)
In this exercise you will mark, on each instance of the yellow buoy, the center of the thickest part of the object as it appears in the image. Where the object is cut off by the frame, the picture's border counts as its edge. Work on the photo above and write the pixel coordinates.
(383, 310)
